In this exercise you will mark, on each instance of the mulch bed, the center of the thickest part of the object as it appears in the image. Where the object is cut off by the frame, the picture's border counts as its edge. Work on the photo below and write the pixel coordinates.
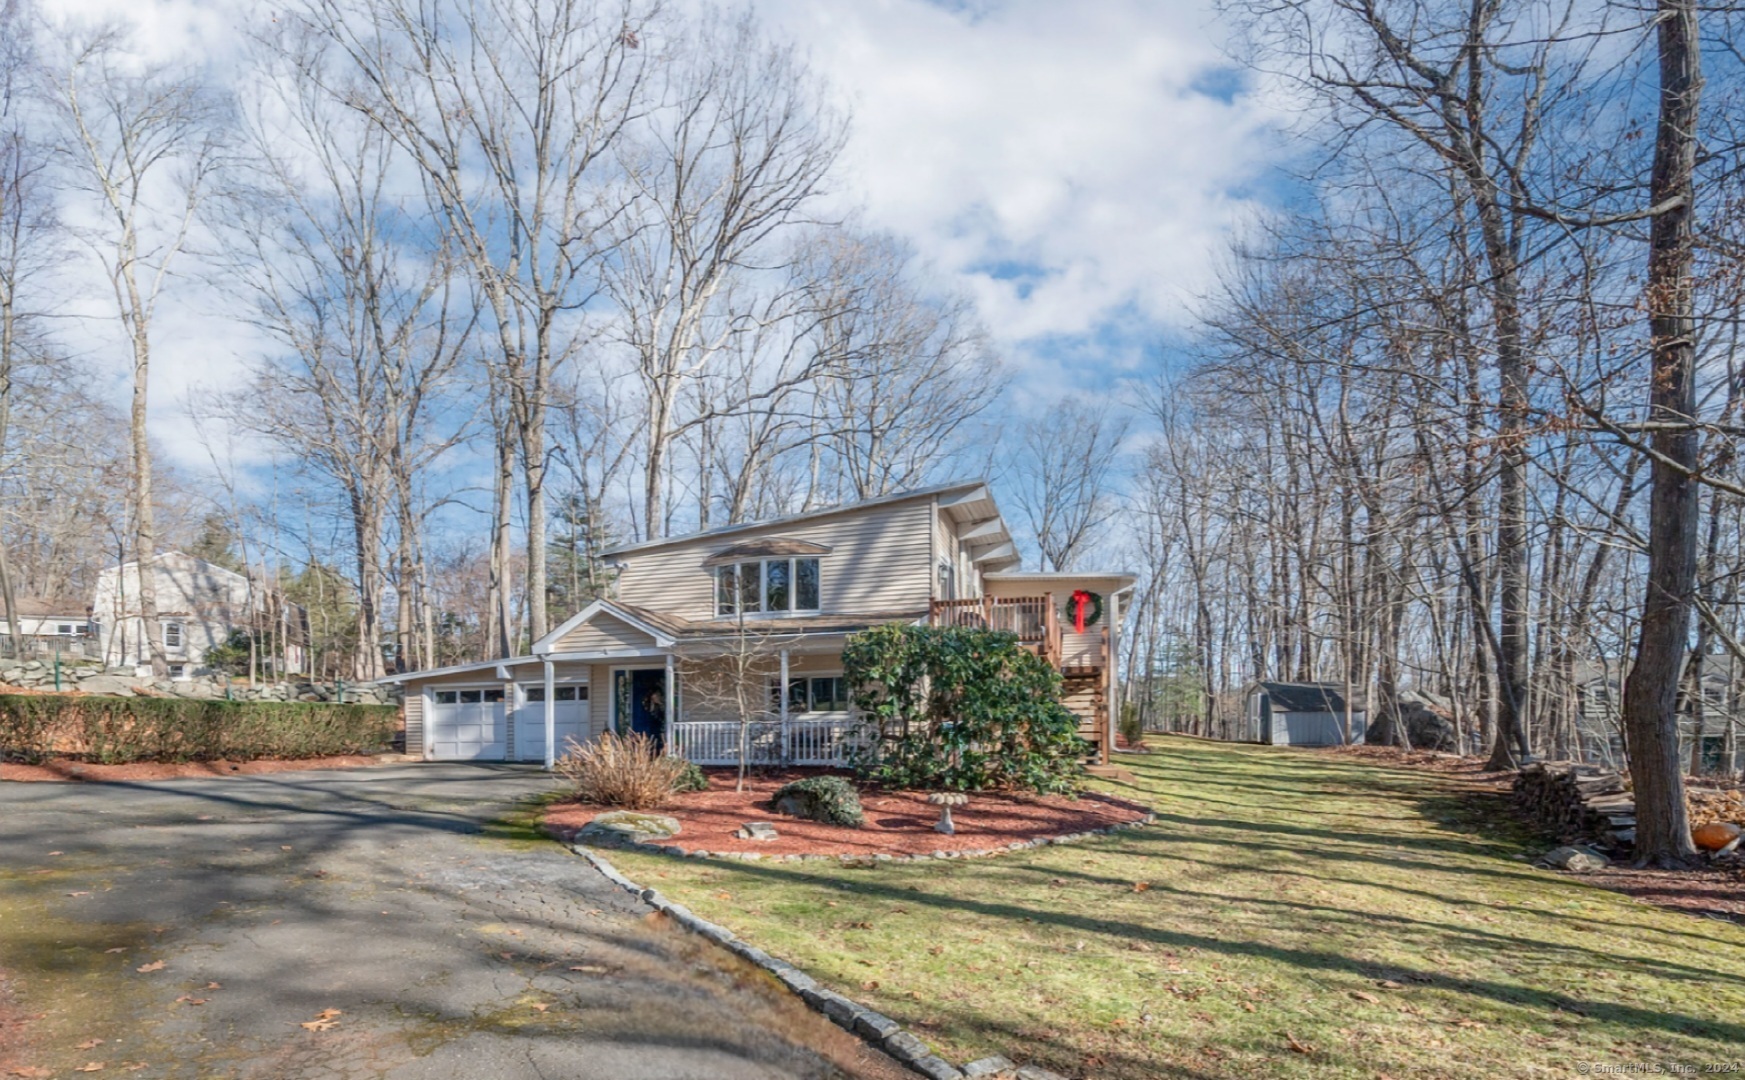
(1715, 890)
(897, 822)
(72, 769)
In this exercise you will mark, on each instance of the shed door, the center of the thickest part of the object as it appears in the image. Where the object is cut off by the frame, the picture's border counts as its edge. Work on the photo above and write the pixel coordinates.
(570, 710)
(466, 725)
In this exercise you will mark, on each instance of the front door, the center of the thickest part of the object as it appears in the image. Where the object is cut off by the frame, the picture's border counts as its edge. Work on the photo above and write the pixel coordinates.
(641, 701)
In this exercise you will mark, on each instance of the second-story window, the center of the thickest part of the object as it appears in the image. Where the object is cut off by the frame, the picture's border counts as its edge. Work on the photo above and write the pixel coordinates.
(767, 586)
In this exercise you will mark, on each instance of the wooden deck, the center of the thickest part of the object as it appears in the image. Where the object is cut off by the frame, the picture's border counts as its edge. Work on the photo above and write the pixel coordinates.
(1036, 622)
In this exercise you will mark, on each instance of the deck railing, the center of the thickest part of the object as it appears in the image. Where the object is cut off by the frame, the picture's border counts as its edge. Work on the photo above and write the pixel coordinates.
(768, 742)
(1033, 619)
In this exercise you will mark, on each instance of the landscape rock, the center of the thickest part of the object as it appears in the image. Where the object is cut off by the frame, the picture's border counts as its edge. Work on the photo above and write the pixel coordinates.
(756, 830)
(108, 684)
(1574, 859)
(1037, 1072)
(628, 827)
(994, 1067)
(1425, 719)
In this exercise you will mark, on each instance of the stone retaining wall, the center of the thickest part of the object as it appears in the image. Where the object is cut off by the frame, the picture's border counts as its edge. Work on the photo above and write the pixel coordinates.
(92, 678)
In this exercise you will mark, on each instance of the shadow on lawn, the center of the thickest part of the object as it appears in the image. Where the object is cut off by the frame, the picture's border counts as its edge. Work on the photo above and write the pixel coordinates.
(1328, 962)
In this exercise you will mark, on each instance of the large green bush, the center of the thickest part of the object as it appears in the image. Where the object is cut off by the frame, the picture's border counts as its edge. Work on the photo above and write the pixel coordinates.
(960, 709)
(119, 731)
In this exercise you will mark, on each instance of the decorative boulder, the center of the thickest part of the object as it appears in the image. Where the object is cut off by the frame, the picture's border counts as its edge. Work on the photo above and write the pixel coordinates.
(1715, 836)
(829, 799)
(1574, 859)
(756, 830)
(628, 827)
(1425, 722)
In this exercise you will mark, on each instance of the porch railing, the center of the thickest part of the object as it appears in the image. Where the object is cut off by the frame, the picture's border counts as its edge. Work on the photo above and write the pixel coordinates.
(1033, 618)
(768, 742)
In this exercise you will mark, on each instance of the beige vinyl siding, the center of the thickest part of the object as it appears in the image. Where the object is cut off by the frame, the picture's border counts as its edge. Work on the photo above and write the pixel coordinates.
(600, 700)
(603, 631)
(699, 707)
(412, 710)
(880, 560)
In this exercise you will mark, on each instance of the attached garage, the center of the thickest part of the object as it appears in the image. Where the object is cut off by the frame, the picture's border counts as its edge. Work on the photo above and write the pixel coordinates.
(569, 709)
(466, 724)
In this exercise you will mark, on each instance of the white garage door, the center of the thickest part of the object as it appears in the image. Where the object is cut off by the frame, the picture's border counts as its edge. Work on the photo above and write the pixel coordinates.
(466, 725)
(569, 709)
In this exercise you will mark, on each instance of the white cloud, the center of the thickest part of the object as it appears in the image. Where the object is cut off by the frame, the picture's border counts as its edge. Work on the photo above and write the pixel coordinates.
(1053, 160)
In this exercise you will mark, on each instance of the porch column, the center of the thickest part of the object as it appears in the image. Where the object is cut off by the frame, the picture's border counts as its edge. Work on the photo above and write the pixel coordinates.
(550, 720)
(670, 713)
(782, 696)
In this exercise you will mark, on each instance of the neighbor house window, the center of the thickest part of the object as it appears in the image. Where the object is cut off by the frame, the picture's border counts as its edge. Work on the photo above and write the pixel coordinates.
(178, 671)
(172, 635)
(767, 585)
(64, 629)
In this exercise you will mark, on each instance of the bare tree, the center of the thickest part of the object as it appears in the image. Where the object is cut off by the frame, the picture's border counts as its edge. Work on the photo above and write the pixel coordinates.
(27, 226)
(508, 111)
(735, 155)
(367, 304)
(735, 676)
(146, 142)
(1065, 480)
(1674, 521)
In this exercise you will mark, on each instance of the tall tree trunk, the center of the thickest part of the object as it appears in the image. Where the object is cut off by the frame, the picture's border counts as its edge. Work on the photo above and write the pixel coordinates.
(144, 525)
(1651, 691)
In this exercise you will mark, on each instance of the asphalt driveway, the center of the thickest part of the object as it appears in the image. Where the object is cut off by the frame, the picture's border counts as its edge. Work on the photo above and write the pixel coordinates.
(380, 922)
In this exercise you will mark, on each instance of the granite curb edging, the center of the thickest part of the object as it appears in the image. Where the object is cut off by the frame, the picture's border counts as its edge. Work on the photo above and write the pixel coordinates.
(873, 1028)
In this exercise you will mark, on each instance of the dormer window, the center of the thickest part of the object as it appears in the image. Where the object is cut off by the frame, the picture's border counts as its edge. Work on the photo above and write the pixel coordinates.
(767, 577)
(767, 587)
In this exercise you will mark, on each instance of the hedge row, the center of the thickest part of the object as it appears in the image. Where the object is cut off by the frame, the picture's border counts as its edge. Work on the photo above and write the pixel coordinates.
(119, 731)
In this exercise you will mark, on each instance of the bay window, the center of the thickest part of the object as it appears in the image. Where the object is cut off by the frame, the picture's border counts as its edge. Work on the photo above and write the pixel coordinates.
(767, 586)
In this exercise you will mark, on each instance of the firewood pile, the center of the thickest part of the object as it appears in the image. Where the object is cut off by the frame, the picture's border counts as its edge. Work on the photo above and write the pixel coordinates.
(1578, 802)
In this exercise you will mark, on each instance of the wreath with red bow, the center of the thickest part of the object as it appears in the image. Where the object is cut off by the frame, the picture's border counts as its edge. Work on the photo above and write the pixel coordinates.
(1083, 609)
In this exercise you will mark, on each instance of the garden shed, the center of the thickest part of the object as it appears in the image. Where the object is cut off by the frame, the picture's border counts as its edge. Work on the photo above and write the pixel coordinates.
(1301, 714)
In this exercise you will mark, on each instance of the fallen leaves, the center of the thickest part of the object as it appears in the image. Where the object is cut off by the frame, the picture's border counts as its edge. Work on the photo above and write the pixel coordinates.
(1361, 996)
(89, 1044)
(539, 1005)
(90, 1066)
(117, 949)
(1389, 984)
(1298, 1047)
(190, 999)
(32, 1072)
(155, 965)
(1142, 886)
(325, 1020)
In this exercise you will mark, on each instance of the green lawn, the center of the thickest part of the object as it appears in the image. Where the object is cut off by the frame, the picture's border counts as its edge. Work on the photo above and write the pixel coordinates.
(1289, 914)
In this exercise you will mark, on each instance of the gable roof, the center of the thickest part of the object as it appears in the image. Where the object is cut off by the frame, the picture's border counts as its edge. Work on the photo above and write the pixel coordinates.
(1307, 697)
(954, 488)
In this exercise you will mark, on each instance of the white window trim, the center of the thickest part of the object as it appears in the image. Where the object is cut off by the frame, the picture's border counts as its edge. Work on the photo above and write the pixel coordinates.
(521, 690)
(762, 588)
(181, 633)
(775, 682)
(432, 691)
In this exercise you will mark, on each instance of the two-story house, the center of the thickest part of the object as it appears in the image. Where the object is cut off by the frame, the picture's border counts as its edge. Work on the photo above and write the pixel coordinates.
(695, 619)
(199, 606)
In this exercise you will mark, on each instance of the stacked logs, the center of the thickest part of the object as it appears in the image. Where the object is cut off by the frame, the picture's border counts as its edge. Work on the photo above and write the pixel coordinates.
(1578, 802)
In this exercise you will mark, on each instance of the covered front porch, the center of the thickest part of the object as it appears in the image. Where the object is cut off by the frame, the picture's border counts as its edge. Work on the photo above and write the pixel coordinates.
(770, 692)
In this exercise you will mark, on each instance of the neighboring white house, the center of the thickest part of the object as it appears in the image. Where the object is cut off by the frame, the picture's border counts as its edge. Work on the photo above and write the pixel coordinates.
(655, 656)
(46, 627)
(200, 605)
